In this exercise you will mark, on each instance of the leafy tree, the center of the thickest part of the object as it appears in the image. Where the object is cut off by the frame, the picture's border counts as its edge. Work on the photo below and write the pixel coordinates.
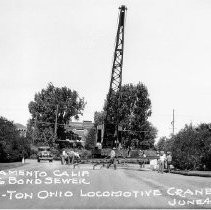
(161, 144)
(44, 108)
(99, 118)
(91, 139)
(8, 131)
(134, 108)
(191, 147)
(204, 132)
(147, 140)
(169, 144)
(185, 152)
(12, 146)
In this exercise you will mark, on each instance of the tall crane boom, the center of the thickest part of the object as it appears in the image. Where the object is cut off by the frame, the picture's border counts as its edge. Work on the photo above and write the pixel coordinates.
(110, 134)
(116, 75)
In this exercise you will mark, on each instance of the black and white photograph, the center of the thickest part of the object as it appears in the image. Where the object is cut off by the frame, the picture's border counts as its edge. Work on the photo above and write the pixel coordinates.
(105, 104)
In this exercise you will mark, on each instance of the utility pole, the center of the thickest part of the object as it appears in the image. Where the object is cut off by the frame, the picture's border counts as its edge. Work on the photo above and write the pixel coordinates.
(55, 128)
(173, 124)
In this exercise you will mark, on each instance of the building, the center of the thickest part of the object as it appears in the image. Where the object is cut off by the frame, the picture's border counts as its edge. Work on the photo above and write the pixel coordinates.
(80, 128)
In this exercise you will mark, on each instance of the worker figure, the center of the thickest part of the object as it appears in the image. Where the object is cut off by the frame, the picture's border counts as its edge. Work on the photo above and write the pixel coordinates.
(144, 159)
(23, 154)
(112, 158)
(140, 160)
(129, 150)
(169, 161)
(99, 145)
(76, 160)
(71, 157)
(64, 157)
(76, 157)
(162, 162)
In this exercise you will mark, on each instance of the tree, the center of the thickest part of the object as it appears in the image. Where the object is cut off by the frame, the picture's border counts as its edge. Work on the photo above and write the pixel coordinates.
(99, 118)
(12, 146)
(91, 139)
(134, 108)
(204, 132)
(161, 144)
(191, 147)
(185, 150)
(49, 102)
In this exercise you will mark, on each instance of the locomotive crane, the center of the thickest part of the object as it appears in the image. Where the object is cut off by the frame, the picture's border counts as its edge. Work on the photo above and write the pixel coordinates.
(109, 134)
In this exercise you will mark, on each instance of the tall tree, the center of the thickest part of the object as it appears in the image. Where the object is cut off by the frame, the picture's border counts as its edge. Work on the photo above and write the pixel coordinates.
(190, 147)
(49, 104)
(161, 144)
(12, 145)
(134, 109)
(99, 118)
(91, 139)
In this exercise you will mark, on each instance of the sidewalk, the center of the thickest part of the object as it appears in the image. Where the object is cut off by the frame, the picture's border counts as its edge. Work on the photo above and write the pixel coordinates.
(193, 173)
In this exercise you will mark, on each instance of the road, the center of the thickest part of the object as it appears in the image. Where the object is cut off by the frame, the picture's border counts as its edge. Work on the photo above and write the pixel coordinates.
(45, 185)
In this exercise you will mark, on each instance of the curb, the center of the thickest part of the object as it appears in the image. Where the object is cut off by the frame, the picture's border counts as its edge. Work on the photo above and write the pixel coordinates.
(191, 173)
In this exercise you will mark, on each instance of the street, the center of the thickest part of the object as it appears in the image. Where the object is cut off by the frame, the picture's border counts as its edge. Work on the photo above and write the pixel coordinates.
(52, 185)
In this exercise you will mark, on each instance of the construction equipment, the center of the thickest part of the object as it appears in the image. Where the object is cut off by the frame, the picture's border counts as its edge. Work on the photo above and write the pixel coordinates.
(109, 134)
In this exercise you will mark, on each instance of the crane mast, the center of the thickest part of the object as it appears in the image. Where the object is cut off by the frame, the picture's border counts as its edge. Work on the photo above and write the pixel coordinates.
(116, 75)
(110, 135)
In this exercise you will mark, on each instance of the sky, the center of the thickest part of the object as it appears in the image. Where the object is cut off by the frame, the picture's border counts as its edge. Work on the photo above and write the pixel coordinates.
(71, 43)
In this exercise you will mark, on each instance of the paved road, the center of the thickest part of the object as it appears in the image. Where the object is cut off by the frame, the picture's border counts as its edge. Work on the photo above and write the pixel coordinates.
(126, 187)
